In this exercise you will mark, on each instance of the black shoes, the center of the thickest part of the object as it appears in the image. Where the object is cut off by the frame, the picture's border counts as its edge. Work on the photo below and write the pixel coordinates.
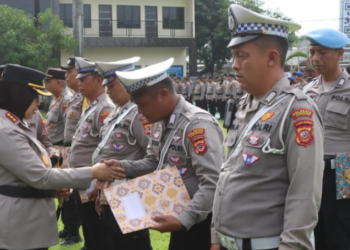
(62, 234)
(71, 239)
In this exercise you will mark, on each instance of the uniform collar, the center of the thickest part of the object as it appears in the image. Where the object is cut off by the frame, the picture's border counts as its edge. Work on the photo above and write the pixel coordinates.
(123, 108)
(341, 82)
(269, 96)
(174, 117)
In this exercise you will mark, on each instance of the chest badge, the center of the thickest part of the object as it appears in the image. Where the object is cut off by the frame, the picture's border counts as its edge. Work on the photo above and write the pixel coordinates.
(175, 159)
(118, 135)
(267, 116)
(250, 159)
(118, 147)
(156, 134)
(177, 138)
(182, 171)
(254, 140)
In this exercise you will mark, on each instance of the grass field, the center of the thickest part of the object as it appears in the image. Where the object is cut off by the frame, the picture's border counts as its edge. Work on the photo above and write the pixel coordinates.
(159, 241)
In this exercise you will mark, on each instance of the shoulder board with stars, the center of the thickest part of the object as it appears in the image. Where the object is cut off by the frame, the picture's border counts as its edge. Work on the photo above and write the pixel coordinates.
(11, 117)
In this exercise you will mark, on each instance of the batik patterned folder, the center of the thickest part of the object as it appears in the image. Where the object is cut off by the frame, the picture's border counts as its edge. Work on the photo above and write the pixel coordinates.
(134, 202)
(342, 174)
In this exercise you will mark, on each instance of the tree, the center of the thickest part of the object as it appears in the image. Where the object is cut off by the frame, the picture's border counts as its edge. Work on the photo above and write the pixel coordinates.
(213, 34)
(22, 42)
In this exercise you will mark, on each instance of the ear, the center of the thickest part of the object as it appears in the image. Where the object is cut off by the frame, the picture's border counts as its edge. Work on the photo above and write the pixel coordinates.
(273, 58)
(163, 94)
(340, 53)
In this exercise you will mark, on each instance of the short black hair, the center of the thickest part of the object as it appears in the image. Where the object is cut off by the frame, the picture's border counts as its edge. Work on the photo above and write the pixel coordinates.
(152, 91)
(276, 42)
(16, 98)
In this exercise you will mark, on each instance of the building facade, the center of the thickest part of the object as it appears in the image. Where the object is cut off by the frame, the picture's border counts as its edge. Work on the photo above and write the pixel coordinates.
(114, 30)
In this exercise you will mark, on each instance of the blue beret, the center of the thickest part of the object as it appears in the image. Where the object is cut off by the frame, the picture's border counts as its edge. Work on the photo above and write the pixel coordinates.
(298, 73)
(328, 38)
(291, 78)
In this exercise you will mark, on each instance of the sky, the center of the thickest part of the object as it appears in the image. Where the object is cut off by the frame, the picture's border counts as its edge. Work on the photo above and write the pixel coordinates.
(311, 14)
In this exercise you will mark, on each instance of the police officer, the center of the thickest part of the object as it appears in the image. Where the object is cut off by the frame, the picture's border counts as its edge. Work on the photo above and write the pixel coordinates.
(198, 93)
(186, 91)
(330, 92)
(124, 136)
(55, 83)
(301, 83)
(291, 81)
(178, 86)
(219, 96)
(210, 95)
(183, 136)
(70, 214)
(269, 189)
(27, 179)
(230, 91)
(86, 139)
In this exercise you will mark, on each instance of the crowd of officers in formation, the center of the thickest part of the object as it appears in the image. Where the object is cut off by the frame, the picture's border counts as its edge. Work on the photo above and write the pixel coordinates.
(274, 187)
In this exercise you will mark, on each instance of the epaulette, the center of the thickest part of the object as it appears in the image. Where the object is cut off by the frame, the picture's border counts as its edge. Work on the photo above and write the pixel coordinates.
(297, 92)
(11, 117)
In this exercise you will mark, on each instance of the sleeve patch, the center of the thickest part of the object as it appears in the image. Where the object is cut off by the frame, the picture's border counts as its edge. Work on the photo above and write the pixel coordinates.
(197, 138)
(147, 128)
(304, 136)
(301, 113)
(103, 116)
(44, 126)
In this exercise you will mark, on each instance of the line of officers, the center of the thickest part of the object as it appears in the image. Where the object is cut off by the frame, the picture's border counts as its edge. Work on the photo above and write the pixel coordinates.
(208, 93)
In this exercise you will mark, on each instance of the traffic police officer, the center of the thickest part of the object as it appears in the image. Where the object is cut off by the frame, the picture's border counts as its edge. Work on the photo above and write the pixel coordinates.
(124, 136)
(210, 95)
(70, 214)
(86, 139)
(269, 189)
(183, 136)
(330, 92)
(219, 96)
(27, 179)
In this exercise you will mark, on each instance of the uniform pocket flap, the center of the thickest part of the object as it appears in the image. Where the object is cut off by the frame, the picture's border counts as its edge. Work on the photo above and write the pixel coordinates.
(230, 139)
(338, 107)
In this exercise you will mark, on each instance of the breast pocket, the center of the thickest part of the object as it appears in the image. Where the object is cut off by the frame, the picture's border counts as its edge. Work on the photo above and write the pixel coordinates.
(52, 120)
(337, 115)
(231, 138)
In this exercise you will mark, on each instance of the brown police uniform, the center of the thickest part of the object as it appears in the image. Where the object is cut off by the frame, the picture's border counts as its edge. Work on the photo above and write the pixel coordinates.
(263, 194)
(333, 229)
(196, 149)
(29, 223)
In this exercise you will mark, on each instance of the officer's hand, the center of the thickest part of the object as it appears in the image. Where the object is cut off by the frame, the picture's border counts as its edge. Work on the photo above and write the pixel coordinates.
(92, 196)
(63, 193)
(116, 164)
(167, 223)
(215, 247)
(54, 152)
(102, 172)
(98, 208)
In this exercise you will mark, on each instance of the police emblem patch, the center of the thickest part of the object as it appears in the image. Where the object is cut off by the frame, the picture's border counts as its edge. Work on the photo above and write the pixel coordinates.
(45, 160)
(147, 129)
(156, 134)
(249, 159)
(103, 116)
(177, 138)
(118, 147)
(118, 135)
(301, 113)
(304, 136)
(182, 171)
(267, 116)
(254, 140)
(72, 114)
(175, 159)
(83, 135)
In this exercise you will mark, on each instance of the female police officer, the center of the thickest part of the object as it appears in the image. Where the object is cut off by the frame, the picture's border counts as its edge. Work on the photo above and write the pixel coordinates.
(27, 180)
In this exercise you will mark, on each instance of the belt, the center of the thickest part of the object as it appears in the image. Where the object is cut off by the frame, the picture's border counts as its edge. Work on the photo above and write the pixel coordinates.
(257, 243)
(67, 144)
(329, 164)
(26, 192)
(59, 143)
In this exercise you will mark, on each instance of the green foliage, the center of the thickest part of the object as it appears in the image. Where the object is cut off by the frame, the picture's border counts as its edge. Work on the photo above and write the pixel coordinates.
(297, 53)
(213, 34)
(21, 42)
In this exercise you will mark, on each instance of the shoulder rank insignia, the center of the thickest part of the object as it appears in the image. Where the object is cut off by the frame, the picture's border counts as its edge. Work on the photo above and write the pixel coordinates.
(270, 97)
(11, 117)
(301, 113)
(304, 136)
(249, 159)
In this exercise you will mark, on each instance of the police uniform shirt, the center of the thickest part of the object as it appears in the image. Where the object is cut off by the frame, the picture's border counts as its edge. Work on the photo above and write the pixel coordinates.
(24, 162)
(199, 91)
(72, 116)
(87, 137)
(219, 91)
(186, 91)
(301, 84)
(264, 194)
(38, 127)
(229, 89)
(129, 138)
(199, 168)
(334, 106)
(55, 117)
(178, 87)
(210, 91)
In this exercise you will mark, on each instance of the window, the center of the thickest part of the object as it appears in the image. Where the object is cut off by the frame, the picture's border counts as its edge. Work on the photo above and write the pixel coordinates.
(66, 14)
(173, 18)
(87, 15)
(128, 16)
